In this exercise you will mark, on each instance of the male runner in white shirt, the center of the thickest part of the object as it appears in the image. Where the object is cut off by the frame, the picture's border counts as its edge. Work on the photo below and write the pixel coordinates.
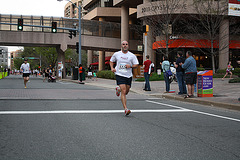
(125, 61)
(25, 68)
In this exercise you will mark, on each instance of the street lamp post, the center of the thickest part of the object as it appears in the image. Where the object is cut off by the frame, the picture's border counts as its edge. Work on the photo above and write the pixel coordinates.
(79, 30)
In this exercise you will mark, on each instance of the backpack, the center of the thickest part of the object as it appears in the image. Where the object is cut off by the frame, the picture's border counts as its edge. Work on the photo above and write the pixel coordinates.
(152, 67)
(169, 73)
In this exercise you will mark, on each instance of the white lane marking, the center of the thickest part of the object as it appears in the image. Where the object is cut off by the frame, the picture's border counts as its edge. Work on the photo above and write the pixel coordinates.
(169, 105)
(214, 115)
(161, 111)
(90, 111)
(199, 112)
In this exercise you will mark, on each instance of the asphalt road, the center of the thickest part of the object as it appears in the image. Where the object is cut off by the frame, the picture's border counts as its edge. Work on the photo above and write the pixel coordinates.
(68, 121)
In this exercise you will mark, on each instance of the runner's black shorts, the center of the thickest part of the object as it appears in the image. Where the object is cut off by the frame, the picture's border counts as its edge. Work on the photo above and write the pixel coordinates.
(191, 78)
(26, 74)
(123, 80)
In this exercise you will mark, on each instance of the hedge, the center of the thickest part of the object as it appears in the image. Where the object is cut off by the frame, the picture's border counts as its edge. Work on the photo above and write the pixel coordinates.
(106, 74)
(236, 71)
(234, 80)
(153, 77)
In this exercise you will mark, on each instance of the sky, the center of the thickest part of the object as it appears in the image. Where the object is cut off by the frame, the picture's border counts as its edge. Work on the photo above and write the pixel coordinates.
(32, 7)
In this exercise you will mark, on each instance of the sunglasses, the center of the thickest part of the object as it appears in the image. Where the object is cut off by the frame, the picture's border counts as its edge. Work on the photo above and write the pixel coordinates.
(124, 44)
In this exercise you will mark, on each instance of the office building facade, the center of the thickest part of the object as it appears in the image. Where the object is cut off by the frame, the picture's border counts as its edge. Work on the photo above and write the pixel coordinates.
(3, 57)
(175, 25)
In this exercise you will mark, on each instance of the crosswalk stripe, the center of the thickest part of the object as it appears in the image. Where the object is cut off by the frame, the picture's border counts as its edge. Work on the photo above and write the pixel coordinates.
(92, 111)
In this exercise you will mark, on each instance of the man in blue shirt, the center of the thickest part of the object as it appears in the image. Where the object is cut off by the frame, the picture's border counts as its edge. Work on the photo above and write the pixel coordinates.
(191, 73)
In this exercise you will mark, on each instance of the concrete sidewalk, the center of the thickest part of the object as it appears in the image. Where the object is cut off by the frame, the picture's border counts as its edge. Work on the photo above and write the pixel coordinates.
(225, 94)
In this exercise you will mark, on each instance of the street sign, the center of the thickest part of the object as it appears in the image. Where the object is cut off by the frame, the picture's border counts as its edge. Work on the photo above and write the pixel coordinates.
(32, 57)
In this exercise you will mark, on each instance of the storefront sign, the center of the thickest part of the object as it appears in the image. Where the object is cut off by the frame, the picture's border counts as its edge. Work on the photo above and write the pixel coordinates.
(175, 37)
(234, 8)
(161, 7)
(140, 48)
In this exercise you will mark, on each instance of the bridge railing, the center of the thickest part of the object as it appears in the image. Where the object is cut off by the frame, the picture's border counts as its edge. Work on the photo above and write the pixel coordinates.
(89, 27)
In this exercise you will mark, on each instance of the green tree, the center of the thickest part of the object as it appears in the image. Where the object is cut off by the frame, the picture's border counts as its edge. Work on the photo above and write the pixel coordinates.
(209, 18)
(49, 56)
(72, 56)
(17, 63)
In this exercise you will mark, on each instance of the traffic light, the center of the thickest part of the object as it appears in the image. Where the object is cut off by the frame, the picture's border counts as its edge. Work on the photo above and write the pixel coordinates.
(1, 51)
(145, 28)
(77, 47)
(70, 34)
(54, 27)
(74, 33)
(20, 24)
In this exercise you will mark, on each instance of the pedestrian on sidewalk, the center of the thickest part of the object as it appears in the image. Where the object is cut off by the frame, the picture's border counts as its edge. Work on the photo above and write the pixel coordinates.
(125, 61)
(25, 68)
(147, 72)
(190, 72)
(180, 74)
(166, 67)
(36, 72)
(229, 68)
(43, 74)
(90, 73)
(94, 76)
(46, 74)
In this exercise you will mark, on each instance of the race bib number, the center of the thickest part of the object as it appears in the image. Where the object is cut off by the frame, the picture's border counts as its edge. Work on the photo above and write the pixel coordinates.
(122, 67)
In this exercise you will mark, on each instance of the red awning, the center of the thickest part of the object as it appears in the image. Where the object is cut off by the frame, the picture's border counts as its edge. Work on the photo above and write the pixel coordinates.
(234, 1)
(107, 60)
(187, 43)
(234, 44)
(94, 64)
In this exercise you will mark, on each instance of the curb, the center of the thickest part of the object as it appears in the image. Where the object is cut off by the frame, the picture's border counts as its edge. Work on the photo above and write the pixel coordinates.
(173, 97)
(204, 102)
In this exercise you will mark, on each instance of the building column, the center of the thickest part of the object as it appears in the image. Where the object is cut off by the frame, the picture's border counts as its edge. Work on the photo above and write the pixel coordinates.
(150, 51)
(101, 58)
(224, 44)
(150, 39)
(124, 23)
(90, 57)
(61, 58)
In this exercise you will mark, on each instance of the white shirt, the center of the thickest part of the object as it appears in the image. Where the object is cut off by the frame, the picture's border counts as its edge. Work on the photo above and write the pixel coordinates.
(122, 59)
(25, 67)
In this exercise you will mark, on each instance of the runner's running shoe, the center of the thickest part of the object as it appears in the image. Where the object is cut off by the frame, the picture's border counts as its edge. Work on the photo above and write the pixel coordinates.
(127, 112)
(118, 91)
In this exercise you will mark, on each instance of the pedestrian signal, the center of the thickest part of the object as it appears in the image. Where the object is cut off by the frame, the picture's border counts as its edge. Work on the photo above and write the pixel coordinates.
(145, 28)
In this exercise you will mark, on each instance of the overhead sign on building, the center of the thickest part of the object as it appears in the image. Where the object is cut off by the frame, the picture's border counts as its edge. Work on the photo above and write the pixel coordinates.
(234, 8)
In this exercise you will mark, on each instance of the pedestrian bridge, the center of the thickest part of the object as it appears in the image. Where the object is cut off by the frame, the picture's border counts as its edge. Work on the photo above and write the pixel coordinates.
(95, 35)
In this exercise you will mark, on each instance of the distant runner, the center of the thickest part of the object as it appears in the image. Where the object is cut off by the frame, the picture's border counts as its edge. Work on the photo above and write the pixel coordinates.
(125, 61)
(25, 68)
